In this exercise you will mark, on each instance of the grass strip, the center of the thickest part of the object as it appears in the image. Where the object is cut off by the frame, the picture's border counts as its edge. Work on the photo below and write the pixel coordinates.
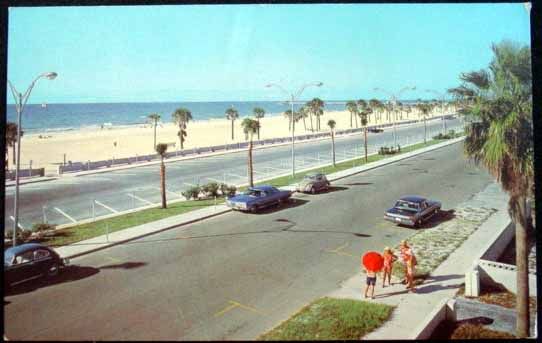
(331, 319)
(101, 227)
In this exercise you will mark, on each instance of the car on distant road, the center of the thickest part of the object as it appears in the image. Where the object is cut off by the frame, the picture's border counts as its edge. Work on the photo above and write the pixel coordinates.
(375, 130)
(30, 261)
(412, 210)
(313, 183)
(258, 197)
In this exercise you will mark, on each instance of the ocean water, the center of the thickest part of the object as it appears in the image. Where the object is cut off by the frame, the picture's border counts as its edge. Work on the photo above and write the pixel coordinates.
(64, 117)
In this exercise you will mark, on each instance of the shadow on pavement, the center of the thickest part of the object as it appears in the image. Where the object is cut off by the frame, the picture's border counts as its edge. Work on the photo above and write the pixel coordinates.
(294, 202)
(332, 189)
(359, 184)
(68, 274)
(126, 265)
(433, 279)
(435, 288)
(439, 218)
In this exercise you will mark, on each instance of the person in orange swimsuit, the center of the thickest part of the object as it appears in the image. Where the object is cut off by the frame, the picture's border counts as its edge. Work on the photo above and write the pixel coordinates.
(389, 258)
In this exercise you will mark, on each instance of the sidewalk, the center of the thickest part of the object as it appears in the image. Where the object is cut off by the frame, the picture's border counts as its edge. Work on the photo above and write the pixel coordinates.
(22, 181)
(414, 310)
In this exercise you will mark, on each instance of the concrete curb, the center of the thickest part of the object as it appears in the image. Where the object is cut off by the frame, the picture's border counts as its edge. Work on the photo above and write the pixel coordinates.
(24, 182)
(110, 244)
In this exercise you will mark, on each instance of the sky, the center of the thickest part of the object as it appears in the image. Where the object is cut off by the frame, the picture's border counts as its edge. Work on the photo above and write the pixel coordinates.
(230, 52)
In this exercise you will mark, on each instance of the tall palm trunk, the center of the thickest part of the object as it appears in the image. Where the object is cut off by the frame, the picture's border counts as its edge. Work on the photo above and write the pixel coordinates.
(312, 128)
(258, 128)
(356, 119)
(155, 135)
(250, 170)
(365, 143)
(517, 207)
(333, 146)
(13, 147)
(304, 123)
(163, 183)
(290, 123)
(232, 130)
(351, 115)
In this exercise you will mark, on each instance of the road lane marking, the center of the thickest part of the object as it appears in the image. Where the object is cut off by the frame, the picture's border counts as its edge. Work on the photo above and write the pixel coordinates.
(339, 251)
(177, 194)
(213, 179)
(64, 214)
(106, 207)
(140, 199)
(234, 304)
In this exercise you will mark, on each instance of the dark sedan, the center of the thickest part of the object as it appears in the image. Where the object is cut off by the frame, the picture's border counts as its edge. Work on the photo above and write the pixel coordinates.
(258, 197)
(375, 130)
(412, 210)
(30, 261)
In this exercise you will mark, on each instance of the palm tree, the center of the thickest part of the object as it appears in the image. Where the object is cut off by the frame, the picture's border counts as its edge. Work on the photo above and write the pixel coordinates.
(375, 105)
(232, 114)
(363, 118)
(316, 107)
(251, 127)
(11, 140)
(161, 149)
(352, 107)
(331, 123)
(425, 109)
(154, 118)
(303, 115)
(288, 114)
(181, 117)
(258, 114)
(501, 138)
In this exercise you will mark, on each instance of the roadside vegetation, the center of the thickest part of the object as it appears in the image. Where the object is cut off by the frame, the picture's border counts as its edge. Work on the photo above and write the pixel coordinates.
(198, 197)
(331, 319)
(451, 330)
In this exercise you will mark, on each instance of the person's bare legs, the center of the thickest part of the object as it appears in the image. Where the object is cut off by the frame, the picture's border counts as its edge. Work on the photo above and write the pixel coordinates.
(372, 292)
(366, 289)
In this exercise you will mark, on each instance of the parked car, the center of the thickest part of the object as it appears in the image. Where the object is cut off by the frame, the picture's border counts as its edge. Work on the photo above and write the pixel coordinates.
(258, 197)
(30, 261)
(412, 210)
(313, 183)
(375, 130)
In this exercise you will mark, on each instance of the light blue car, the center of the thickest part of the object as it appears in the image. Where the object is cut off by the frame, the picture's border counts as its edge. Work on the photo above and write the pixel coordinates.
(258, 197)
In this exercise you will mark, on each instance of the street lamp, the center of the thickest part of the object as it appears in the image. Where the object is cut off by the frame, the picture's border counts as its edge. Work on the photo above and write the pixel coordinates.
(20, 102)
(393, 100)
(293, 97)
(441, 96)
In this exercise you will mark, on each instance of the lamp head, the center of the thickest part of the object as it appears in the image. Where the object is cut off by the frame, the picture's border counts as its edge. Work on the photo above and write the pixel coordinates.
(50, 75)
(319, 84)
(268, 85)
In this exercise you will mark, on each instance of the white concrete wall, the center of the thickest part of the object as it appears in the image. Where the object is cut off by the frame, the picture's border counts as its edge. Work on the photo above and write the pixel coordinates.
(497, 247)
(504, 274)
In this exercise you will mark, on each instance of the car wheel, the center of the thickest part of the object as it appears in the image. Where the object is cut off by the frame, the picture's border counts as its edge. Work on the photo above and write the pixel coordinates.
(53, 270)
(313, 190)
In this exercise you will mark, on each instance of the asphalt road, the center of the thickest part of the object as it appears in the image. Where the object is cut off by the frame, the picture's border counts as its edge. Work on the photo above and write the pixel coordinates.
(236, 275)
(68, 198)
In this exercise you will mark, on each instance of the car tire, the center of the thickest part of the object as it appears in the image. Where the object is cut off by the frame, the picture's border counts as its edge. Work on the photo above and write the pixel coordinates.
(53, 270)
(313, 190)
(254, 209)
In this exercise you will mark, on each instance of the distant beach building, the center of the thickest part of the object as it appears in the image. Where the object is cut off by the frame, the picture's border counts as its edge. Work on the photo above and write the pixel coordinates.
(44, 105)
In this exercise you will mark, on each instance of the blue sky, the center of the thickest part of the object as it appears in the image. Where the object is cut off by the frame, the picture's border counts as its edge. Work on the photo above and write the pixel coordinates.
(216, 53)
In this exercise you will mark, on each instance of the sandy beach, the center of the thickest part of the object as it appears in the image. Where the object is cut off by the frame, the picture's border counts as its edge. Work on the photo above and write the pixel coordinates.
(117, 142)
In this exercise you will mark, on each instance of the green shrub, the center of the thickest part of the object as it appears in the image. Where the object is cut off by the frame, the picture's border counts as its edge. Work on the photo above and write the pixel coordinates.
(192, 193)
(40, 227)
(227, 190)
(210, 189)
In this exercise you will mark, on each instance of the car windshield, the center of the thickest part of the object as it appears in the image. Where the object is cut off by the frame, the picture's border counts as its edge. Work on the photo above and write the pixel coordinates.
(253, 193)
(406, 205)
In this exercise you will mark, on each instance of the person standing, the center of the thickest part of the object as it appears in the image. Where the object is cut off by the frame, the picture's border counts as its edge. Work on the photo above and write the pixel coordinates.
(409, 260)
(389, 258)
(370, 283)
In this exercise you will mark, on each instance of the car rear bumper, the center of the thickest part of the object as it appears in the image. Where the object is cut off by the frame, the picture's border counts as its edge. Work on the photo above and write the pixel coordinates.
(399, 220)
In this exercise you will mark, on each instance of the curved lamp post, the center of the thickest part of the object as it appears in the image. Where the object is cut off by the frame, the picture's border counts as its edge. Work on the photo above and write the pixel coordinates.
(442, 97)
(393, 100)
(293, 97)
(20, 102)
